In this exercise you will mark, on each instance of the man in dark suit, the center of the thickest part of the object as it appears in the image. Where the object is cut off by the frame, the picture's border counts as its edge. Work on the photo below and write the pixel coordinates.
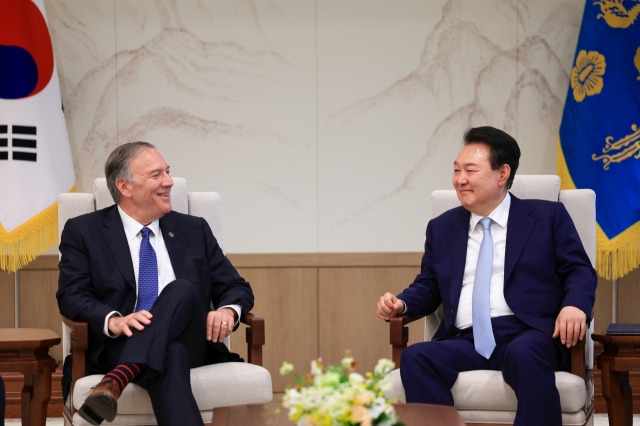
(144, 278)
(513, 299)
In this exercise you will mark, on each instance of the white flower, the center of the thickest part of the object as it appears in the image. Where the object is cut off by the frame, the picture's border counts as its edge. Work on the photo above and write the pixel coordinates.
(286, 368)
(385, 384)
(316, 368)
(384, 366)
(328, 379)
(346, 363)
(377, 407)
(355, 378)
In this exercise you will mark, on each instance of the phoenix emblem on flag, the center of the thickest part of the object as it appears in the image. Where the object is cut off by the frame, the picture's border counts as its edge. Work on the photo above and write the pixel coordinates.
(616, 14)
(627, 147)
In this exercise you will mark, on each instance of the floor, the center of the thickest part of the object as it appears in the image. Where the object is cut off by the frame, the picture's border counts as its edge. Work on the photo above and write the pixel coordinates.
(600, 420)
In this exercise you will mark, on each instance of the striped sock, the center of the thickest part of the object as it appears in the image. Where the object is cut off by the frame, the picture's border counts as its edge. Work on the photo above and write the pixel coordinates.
(124, 373)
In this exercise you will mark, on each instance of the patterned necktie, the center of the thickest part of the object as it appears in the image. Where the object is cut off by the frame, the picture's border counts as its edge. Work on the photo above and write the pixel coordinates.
(483, 338)
(147, 274)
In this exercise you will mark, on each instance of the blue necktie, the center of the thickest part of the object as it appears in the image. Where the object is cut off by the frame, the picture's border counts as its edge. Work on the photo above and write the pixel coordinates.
(147, 274)
(483, 338)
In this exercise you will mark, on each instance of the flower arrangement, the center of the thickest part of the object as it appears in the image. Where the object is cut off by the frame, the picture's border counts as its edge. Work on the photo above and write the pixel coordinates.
(336, 395)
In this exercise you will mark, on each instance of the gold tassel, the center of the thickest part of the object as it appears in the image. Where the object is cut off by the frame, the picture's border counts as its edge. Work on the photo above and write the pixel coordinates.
(616, 257)
(31, 239)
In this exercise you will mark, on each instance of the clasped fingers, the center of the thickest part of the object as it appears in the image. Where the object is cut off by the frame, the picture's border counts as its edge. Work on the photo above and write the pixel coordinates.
(388, 306)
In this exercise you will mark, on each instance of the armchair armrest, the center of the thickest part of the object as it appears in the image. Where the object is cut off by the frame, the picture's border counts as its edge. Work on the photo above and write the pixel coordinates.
(255, 337)
(399, 336)
(79, 346)
(578, 365)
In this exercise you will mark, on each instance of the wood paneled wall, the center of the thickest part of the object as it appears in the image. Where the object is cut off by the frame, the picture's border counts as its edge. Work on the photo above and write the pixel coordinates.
(315, 305)
(319, 305)
(38, 305)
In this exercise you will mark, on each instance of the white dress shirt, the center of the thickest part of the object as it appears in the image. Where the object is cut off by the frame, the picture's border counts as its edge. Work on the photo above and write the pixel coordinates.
(499, 219)
(165, 270)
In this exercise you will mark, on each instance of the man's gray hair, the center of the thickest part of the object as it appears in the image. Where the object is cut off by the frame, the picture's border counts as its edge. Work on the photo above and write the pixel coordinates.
(117, 165)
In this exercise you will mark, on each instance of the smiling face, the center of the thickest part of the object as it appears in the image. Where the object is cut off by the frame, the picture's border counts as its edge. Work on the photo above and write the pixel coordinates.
(147, 196)
(480, 189)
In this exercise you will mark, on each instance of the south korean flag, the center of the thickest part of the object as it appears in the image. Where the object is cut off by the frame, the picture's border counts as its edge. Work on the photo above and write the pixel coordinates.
(35, 157)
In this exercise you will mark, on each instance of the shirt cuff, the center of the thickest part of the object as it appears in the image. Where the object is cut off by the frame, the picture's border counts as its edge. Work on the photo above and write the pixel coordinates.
(105, 330)
(236, 308)
(404, 311)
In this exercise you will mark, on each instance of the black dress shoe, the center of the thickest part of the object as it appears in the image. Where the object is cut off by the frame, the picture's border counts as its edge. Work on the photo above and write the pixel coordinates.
(102, 403)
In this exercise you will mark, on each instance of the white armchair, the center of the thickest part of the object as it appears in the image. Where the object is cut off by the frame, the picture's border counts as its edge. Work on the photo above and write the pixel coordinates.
(482, 397)
(248, 383)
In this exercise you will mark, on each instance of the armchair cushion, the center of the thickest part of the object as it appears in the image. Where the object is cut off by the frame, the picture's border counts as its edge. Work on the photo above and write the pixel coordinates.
(238, 383)
(487, 391)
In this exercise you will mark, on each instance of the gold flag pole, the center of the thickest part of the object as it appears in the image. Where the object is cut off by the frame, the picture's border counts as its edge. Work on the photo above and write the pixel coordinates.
(614, 303)
(16, 298)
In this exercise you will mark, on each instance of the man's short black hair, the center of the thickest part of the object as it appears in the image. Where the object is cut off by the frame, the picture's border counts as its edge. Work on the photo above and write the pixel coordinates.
(503, 149)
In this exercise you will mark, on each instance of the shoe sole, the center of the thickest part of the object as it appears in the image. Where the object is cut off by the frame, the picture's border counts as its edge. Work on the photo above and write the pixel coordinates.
(97, 408)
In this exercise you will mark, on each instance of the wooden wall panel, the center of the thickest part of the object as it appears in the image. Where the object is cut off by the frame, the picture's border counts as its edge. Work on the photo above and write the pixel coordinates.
(7, 308)
(38, 306)
(629, 298)
(287, 298)
(602, 309)
(348, 298)
(324, 260)
(628, 301)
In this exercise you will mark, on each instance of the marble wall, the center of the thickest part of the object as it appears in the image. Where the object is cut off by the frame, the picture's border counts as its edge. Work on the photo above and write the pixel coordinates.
(324, 124)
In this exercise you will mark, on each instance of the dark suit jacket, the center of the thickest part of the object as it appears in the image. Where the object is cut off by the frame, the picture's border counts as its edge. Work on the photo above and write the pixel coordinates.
(96, 271)
(546, 267)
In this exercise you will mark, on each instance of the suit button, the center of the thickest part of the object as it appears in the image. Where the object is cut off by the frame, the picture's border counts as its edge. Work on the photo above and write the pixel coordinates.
(453, 311)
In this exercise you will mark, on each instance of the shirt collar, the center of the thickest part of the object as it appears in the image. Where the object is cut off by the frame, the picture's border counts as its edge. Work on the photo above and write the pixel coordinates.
(499, 215)
(132, 227)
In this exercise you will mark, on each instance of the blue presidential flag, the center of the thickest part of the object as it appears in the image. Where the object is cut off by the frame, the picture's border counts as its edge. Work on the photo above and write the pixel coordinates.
(599, 141)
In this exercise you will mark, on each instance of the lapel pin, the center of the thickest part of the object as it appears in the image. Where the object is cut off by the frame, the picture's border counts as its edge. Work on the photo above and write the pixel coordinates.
(171, 234)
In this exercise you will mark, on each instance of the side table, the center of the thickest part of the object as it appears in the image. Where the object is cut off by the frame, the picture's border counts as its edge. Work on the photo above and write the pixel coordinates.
(621, 354)
(26, 351)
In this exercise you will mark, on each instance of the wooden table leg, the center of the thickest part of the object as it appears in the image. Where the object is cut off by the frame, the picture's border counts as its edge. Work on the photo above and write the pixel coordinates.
(25, 400)
(617, 394)
(35, 397)
(41, 397)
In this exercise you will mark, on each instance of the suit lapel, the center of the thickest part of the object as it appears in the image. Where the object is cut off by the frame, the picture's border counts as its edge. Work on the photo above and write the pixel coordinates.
(114, 234)
(519, 229)
(173, 242)
(458, 240)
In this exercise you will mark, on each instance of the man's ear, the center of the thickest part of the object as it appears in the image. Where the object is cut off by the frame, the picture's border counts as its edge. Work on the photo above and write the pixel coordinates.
(124, 187)
(505, 172)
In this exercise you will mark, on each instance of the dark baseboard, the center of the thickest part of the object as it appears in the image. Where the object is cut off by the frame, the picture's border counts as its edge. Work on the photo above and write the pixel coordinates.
(13, 385)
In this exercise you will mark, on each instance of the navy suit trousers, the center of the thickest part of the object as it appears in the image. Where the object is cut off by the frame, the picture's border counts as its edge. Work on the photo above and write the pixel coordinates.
(170, 346)
(527, 358)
